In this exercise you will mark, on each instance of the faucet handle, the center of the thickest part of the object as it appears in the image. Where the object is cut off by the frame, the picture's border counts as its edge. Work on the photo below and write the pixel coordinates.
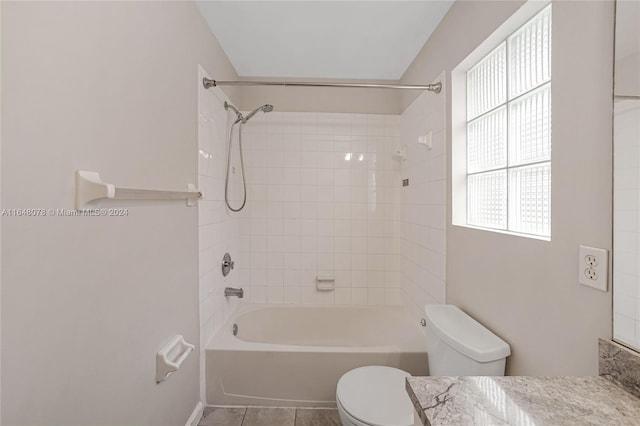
(227, 264)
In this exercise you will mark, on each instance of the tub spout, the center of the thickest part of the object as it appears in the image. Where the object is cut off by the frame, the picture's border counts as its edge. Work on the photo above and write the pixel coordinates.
(230, 291)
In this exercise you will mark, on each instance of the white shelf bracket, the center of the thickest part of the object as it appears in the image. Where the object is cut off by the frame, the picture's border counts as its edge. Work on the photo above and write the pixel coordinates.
(89, 187)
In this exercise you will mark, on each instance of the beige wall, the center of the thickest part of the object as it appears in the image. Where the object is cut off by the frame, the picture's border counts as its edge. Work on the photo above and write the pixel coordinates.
(627, 52)
(87, 302)
(462, 29)
(628, 74)
(523, 289)
(0, 221)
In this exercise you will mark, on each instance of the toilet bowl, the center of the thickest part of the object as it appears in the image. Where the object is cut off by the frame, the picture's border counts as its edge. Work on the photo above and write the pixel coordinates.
(457, 345)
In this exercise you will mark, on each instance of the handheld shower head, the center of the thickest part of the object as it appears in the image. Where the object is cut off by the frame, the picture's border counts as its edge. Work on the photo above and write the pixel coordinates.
(241, 118)
(264, 108)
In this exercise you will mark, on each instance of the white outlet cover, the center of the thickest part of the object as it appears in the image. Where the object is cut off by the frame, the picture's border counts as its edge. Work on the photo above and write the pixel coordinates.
(600, 270)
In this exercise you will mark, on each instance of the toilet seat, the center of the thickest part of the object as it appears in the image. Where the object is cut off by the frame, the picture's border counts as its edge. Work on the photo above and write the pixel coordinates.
(375, 396)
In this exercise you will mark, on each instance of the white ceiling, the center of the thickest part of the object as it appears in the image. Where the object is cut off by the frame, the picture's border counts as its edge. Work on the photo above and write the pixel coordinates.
(323, 39)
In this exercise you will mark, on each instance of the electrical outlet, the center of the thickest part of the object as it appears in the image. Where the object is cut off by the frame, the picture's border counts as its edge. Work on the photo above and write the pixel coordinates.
(591, 274)
(592, 267)
(591, 260)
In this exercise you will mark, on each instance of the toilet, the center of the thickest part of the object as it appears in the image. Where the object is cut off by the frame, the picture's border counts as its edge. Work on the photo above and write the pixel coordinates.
(457, 345)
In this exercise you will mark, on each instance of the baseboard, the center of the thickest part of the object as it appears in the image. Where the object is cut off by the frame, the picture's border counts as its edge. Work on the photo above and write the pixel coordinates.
(195, 417)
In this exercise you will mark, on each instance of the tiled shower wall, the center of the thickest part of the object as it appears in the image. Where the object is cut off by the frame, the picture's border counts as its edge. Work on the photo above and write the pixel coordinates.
(219, 230)
(324, 199)
(423, 202)
(323, 191)
(626, 228)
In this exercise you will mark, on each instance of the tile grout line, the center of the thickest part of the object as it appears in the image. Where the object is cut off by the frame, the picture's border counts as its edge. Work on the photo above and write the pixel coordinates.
(244, 415)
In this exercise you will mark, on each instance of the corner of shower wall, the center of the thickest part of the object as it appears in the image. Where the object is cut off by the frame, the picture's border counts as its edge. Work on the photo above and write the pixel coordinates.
(218, 228)
(422, 204)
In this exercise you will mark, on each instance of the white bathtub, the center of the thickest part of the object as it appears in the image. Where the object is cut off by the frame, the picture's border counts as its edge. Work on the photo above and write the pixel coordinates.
(288, 355)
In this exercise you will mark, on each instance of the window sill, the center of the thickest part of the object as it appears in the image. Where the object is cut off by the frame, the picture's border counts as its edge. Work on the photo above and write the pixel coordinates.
(500, 231)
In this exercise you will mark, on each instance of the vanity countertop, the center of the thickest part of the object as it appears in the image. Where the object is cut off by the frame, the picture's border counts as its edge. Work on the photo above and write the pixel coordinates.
(522, 400)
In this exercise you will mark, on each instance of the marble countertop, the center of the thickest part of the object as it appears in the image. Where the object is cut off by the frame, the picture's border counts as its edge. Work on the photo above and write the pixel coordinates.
(522, 400)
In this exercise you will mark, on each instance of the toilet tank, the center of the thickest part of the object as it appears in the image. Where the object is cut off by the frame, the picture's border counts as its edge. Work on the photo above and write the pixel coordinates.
(458, 345)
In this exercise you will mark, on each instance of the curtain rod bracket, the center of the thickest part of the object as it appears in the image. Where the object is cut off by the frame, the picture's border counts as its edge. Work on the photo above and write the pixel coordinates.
(208, 83)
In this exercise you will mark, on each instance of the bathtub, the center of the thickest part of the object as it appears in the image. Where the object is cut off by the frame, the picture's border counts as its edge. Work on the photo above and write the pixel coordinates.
(293, 356)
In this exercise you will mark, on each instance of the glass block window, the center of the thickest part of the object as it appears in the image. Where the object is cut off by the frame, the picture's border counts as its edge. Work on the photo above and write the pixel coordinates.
(509, 133)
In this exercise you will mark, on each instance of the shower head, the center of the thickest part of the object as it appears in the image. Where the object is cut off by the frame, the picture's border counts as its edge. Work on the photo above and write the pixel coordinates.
(264, 108)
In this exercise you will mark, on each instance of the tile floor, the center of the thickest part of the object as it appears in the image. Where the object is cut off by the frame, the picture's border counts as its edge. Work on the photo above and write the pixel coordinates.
(240, 416)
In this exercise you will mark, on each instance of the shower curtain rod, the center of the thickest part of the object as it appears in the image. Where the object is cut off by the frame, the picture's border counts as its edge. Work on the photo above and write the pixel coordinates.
(435, 87)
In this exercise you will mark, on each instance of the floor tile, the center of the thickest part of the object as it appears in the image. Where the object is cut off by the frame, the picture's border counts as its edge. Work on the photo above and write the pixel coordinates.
(317, 417)
(269, 417)
(222, 416)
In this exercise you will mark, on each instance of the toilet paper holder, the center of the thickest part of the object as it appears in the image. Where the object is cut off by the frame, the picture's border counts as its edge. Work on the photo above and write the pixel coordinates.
(170, 358)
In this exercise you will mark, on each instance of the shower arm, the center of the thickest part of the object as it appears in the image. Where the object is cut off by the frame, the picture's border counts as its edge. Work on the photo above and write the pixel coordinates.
(435, 87)
(241, 118)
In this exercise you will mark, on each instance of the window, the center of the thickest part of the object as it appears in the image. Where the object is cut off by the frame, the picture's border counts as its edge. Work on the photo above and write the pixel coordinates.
(508, 133)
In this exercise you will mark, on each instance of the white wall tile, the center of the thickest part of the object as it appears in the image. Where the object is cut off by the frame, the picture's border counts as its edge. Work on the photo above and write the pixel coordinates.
(291, 293)
(359, 296)
(323, 204)
(626, 241)
(219, 230)
(421, 207)
(376, 296)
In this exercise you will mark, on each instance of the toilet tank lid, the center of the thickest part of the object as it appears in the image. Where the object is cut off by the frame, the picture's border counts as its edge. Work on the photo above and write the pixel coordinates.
(465, 334)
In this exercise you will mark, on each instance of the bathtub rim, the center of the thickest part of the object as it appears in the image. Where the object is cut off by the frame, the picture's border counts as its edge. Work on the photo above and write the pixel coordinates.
(223, 339)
